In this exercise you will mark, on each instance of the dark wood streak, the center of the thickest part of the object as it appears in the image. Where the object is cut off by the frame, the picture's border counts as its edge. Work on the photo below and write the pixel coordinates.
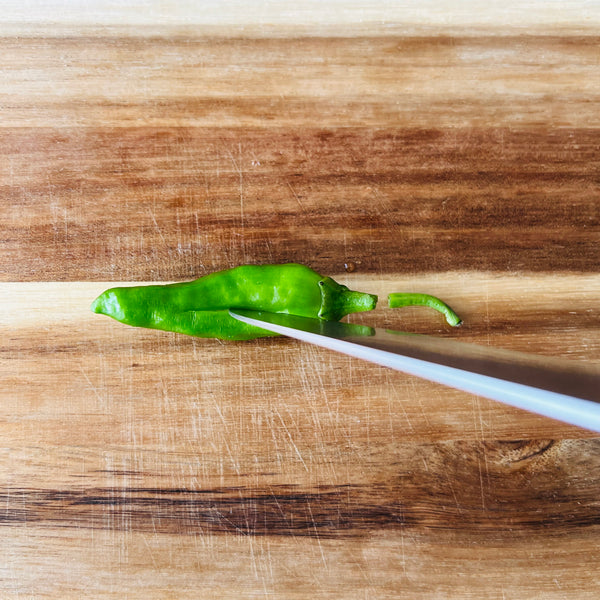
(414, 199)
(482, 488)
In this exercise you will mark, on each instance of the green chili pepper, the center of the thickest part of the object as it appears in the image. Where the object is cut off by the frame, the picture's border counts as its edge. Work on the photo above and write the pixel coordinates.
(410, 299)
(200, 307)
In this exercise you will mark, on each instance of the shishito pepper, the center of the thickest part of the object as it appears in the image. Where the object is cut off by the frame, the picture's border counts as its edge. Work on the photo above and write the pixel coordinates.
(200, 307)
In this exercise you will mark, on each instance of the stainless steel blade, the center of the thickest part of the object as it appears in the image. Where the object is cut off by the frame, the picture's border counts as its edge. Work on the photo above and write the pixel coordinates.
(559, 389)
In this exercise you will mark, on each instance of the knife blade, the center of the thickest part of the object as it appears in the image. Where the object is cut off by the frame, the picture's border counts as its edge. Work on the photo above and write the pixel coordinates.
(565, 390)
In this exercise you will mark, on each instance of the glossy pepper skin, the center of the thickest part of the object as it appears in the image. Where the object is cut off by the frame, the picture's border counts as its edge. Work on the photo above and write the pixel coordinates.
(200, 307)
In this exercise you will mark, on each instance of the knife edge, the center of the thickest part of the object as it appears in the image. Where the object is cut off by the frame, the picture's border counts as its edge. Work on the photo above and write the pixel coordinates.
(556, 388)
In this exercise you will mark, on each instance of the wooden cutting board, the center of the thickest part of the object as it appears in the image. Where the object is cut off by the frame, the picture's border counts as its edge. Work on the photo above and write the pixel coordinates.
(439, 149)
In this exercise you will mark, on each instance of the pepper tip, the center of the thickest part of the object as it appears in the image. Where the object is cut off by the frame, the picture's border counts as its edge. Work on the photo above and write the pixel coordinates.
(96, 305)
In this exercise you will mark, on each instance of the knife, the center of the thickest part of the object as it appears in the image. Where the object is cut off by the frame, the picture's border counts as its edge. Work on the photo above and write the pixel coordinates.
(560, 389)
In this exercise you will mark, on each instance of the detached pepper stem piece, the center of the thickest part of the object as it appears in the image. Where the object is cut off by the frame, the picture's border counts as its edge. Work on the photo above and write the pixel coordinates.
(414, 299)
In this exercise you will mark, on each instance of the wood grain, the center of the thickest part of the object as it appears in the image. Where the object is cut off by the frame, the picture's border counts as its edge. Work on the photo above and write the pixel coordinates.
(445, 151)
(411, 201)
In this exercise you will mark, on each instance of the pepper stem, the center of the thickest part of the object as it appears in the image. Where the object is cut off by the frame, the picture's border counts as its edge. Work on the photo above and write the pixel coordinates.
(352, 301)
(338, 300)
(412, 299)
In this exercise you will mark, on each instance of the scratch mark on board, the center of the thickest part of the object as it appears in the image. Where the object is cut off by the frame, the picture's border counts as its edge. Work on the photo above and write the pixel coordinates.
(158, 229)
(237, 165)
(92, 386)
(294, 446)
